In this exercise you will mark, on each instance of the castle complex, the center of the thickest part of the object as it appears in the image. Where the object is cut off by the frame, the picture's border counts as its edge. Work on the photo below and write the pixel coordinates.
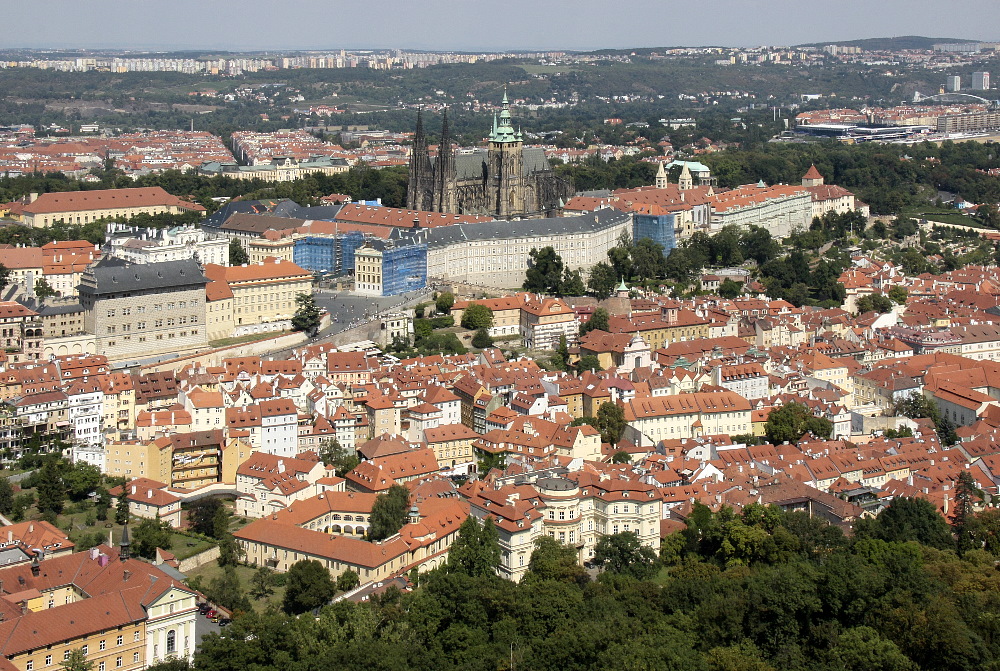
(505, 180)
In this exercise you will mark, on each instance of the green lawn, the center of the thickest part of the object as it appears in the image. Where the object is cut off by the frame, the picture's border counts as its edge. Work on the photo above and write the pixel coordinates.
(185, 546)
(213, 570)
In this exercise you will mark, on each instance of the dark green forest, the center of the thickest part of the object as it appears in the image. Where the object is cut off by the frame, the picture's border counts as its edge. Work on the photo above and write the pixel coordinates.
(762, 590)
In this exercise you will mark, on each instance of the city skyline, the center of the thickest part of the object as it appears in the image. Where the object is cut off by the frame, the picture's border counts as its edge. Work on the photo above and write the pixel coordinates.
(475, 26)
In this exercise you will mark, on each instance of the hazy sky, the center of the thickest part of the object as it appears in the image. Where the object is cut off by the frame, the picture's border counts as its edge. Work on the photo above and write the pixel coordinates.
(479, 25)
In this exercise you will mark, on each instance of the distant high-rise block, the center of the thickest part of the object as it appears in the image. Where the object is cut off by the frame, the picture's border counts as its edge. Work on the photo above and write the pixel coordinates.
(953, 83)
(980, 81)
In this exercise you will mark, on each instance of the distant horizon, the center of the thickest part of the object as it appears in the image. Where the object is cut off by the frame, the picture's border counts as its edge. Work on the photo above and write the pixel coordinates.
(137, 49)
(264, 50)
(473, 25)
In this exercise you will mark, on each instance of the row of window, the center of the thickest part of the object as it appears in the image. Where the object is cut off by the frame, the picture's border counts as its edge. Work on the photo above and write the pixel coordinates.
(157, 323)
(159, 336)
(157, 307)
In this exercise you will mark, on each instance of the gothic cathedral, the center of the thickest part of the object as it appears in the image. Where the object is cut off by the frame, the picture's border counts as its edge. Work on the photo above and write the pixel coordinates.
(506, 180)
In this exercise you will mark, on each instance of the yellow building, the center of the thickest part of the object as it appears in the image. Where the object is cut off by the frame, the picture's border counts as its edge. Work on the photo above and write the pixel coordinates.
(183, 460)
(123, 614)
(263, 292)
(81, 207)
(273, 244)
(119, 402)
(657, 331)
(451, 443)
(368, 271)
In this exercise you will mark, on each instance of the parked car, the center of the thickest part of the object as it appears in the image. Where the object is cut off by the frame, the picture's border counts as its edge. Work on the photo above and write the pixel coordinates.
(224, 621)
(211, 613)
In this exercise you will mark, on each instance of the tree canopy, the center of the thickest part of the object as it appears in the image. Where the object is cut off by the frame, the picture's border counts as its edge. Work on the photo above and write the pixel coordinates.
(306, 317)
(792, 421)
(477, 316)
(308, 586)
(389, 512)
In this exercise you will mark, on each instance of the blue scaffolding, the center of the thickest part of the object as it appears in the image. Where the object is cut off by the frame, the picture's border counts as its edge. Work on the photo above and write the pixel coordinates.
(404, 269)
(657, 227)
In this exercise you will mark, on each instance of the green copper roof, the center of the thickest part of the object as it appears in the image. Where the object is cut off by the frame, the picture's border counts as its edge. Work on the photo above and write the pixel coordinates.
(622, 287)
(503, 131)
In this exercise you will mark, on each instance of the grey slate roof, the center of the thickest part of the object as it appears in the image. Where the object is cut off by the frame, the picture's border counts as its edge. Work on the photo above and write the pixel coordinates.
(259, 223)
(473, 165)
(443, 236)
(113, 275)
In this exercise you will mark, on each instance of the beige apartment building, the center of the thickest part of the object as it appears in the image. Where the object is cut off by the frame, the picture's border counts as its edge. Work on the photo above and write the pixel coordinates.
(263, 292)
(368, 271)
(81, 207)
(576, 509)
(658, 418)
(273, 244)
(136, 310)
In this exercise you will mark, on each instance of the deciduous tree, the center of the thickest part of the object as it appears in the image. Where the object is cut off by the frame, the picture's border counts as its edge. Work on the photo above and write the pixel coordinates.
(482, 339)
(602, 280)
(792, 421)
(623, 553)
(309, 586)
(477, 316)
(444, 301)
(389, 512)
(237, 255)
(545, 271)
(611, 422)
(148, 535)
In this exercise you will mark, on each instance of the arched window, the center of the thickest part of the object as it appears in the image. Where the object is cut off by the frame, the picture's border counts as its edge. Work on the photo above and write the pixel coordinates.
(171, 642)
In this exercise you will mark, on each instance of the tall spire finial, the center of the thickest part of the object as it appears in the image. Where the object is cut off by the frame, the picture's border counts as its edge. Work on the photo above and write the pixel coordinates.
(123, 544)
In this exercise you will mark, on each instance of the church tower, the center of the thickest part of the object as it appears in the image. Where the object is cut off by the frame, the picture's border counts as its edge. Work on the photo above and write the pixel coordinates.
(506, 166)
(421, 177)
(685, 181)
(444, 172)
(661, 177)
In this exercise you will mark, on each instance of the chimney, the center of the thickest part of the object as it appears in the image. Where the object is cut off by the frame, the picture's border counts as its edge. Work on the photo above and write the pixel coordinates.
(133, 489)
(32, 197)
(24, 606)
(149, 493)
(10, 536)
(281, 465)
(126, 575)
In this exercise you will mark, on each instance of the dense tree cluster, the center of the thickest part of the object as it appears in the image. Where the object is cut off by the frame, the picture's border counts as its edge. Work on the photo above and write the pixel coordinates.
(389, 512)
(547, 274)
(792, 421)
(758, 590)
